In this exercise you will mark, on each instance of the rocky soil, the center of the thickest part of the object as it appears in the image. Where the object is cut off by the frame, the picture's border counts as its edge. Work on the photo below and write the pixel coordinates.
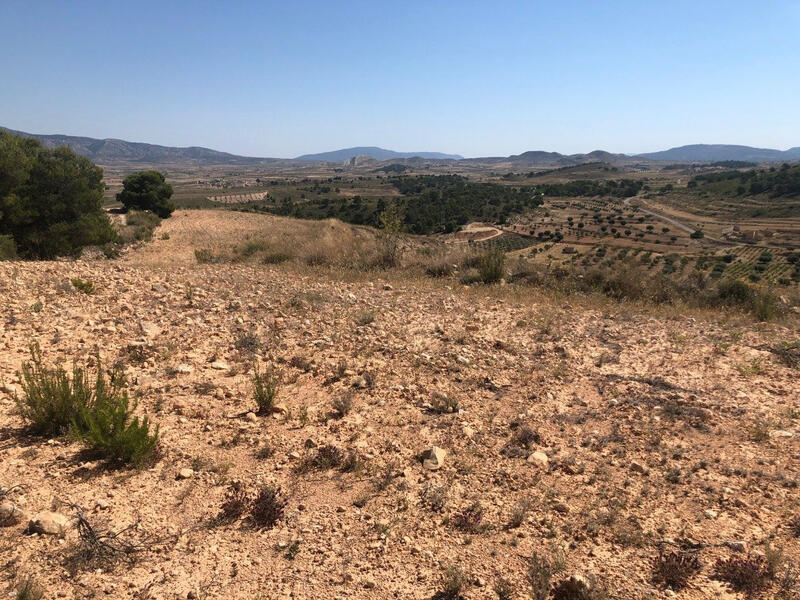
(586, 435)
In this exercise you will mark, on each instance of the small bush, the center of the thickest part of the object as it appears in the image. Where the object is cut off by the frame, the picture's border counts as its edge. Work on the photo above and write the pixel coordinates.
(275, 258)
(364, 317)
(265, 390)
(28, 589)
(442, 404)
(85, 286)
(576, 588)
(504, 589)
(110, 428)
(454, 580)
(747, 574)
(674, 569)
(540, 574)
(268, 507)
(343, 404)
(325, 458)
(794, 526)
(203, 256)
(51, 399)
(491, 266)
(442, 268)
(98, 412)
(469, 519)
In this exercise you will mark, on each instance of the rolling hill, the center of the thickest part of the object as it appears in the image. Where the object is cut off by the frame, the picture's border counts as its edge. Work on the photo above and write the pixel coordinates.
(719, 152)
(113, 151)
(373, 152)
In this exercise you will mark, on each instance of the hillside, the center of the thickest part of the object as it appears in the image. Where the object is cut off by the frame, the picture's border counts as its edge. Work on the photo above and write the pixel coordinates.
(372, 152)
(586, 435)
(114, 152)
(721, 152)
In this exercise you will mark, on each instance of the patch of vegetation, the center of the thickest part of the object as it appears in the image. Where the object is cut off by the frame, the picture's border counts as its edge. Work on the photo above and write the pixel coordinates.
(84, 286)
(147, 190)
(674, 569)
(51, 201)
(139, 226)
(454, 582)
(748, 574)
(98, 412)
(429, 204)
(268, 507)
(265, 389)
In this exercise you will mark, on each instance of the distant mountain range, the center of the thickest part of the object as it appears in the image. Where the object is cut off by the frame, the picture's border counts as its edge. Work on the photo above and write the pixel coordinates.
(112, 151)
(120, 152)
(717, 152)
(372, 152)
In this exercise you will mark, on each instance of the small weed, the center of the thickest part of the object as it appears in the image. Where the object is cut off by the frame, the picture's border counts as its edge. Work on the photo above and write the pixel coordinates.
(265, 390)
(268, 507)
(539, 575)
(470, 519)
(454, 581)
(28, 589)
(84, 286)
(674, 569)
(442, 404)
(747, 574)
(503, 589)
(364, 317)
(237, 501)
(343, 404)
(203, 256)
(519, 514)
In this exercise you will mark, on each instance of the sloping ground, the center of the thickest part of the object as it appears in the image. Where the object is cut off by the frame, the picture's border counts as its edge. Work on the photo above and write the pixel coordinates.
(645, 430)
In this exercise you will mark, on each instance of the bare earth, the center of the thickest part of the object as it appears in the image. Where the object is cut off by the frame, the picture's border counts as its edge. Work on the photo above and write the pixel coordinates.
(653, 429)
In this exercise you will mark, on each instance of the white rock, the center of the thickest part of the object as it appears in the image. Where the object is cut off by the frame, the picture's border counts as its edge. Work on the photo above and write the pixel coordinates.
(434, 458)
(49, 523)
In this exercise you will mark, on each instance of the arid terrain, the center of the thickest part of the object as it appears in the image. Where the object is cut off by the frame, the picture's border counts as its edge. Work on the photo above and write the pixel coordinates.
(591, 433)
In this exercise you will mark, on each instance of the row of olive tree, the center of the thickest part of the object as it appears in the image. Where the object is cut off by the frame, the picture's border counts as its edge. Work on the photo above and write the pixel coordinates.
(51, 200)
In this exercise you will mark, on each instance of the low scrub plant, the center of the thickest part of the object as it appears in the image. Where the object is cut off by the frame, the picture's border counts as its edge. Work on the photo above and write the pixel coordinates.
(268, 507)
(85, 286)
(674, 569)
(96, 410)
(749, 574)
(265, 390)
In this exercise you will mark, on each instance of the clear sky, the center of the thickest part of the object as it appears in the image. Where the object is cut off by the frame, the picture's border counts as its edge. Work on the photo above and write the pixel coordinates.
(284, 78)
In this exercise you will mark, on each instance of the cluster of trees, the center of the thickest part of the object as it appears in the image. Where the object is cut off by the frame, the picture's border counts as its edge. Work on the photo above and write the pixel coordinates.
(778, 183)
(622, 188)
(51, 200)
(429, 204)
(443, 203)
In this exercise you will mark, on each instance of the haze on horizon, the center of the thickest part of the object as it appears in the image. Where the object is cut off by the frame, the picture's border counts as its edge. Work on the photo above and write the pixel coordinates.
(469, 78)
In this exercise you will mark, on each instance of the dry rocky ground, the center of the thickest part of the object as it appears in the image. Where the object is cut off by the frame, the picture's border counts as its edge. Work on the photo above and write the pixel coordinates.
(587, 434)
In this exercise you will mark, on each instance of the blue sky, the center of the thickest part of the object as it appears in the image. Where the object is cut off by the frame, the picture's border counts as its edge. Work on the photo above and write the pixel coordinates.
(473, 78)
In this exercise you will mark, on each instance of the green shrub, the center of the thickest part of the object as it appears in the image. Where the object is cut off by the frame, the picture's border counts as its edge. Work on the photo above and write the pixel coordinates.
(51, 399)
(203, 255)
(85, 286)
(95, 410)
(491, 266)
(265, 390)
(109, 427)
(275, 258)
(139, 226)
